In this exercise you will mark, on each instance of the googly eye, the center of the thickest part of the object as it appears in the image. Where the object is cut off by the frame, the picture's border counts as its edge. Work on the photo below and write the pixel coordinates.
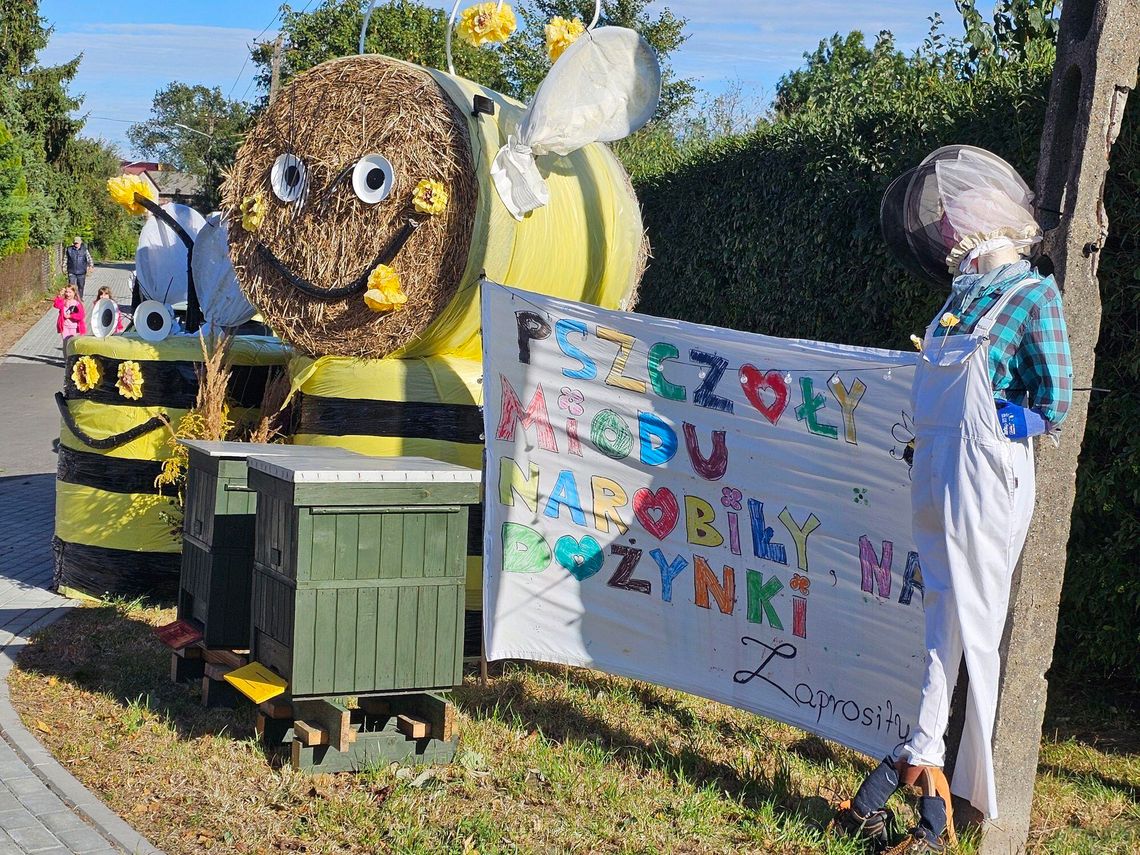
(288, 178)
(372, 178)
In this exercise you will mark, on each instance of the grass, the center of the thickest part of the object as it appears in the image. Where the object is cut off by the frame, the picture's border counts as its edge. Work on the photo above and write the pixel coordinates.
(551, 759)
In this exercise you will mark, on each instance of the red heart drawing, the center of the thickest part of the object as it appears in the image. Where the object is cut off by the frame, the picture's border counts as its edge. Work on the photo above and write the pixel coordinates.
(754, 382)
(657, 512)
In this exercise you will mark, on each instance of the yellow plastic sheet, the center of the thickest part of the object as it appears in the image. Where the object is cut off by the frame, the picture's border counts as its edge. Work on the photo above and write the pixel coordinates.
(256, 682)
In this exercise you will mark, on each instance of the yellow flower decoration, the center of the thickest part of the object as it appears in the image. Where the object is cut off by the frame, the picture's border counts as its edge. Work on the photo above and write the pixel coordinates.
(252, 212)
(430, 197)
(916, 341)
(130, 382)
(949, 320)
(560, 34)
(485, 23)
(85, 374)
(384, 294)
(124, 187)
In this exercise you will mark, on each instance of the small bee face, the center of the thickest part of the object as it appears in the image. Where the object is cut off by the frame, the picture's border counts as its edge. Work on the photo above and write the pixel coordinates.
(357, 180)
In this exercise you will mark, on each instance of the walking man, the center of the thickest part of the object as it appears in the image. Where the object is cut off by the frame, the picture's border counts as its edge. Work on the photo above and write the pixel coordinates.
(79, 264)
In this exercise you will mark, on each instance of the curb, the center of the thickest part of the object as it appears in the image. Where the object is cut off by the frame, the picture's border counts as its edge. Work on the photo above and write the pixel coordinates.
(57, 779)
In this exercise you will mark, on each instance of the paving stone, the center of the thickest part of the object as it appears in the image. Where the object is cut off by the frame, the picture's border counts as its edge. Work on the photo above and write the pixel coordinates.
(34, 838)
(83, 841)
(21, 818)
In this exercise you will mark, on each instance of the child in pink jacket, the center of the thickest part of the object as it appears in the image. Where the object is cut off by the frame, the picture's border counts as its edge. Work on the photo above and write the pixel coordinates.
(72, 319)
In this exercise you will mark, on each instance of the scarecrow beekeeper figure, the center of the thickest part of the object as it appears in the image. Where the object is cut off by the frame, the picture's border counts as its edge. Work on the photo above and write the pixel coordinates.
(995, 371)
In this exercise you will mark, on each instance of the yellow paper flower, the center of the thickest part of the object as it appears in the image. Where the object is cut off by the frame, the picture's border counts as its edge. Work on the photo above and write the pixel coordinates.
(85, 374)
(560, 34)
(252, 212)
(949, 320)
(430, 197)
(916, 341)
(124, 187)
(485, 23)
(130, 382)
(384, 294)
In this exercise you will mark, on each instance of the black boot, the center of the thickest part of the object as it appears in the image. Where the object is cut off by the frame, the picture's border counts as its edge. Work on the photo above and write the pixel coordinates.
(928, 837)
(866, 815)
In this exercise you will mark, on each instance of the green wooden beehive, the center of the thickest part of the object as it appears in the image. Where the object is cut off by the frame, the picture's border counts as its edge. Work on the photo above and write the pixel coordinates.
(359, 570)
(218, 535)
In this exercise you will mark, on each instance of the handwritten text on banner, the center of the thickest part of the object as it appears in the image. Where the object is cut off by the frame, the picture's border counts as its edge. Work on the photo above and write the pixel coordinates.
(724, 513)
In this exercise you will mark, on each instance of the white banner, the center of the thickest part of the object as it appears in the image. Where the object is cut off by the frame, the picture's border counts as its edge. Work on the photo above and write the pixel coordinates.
(724, 513)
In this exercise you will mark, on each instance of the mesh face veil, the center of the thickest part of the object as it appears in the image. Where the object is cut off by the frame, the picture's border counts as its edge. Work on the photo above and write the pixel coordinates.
(959, 202)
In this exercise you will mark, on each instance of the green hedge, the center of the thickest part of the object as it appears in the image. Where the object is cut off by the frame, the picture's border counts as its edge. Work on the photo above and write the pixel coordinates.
(777, 232)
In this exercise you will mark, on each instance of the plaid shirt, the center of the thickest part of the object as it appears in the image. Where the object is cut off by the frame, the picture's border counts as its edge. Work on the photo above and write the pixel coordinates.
(1029, 346)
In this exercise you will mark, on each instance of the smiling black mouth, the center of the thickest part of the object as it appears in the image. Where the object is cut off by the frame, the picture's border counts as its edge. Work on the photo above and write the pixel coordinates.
(354, 288)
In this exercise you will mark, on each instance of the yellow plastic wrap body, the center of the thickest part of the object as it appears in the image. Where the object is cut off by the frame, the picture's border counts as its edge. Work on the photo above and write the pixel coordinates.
(397, 407)
(584, 245)
(109, 513)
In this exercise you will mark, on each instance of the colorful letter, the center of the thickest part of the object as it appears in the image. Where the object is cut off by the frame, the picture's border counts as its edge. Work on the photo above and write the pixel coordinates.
(608, 496)
(658, 441)
(799, 535)
(621, 578)
(535, 414)
(562, 329)
(512, 480)
(848, 400)
(658, 354)
(699, 515)
(912, 579)
(799, 617)
(874, 570)
(670, 570)
(616, 377)
(706, 582)
(524, 549)
(715, 465)
(565, 492)
(762, 544)
(760, 594)
(611, 434)
(812, 404)
(705, 395)
(531, 326)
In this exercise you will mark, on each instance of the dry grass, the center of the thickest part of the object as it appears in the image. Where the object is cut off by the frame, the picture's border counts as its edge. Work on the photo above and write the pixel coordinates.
(329, 117)
(17, 320)
(551, 760)
(275, 408)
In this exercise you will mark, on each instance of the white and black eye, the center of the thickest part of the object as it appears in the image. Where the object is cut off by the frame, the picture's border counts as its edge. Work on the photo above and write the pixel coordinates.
(372, 178)
(288, 178)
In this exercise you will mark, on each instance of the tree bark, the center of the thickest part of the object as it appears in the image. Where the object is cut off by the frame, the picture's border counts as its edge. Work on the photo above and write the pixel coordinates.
(1097, 54)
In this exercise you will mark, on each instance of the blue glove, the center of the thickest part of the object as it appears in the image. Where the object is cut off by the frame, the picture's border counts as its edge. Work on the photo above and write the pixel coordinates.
(1018, 422)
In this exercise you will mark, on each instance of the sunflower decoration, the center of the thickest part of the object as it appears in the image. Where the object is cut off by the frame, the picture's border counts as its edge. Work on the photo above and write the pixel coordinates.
(487, 23)
(85, 373)
(430, 197)
(130, 380)
(560, 34)
(124, 187)
(384, 293)
(252, 212)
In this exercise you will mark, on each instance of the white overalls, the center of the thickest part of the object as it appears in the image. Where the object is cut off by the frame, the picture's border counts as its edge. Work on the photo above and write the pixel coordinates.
(972, 493)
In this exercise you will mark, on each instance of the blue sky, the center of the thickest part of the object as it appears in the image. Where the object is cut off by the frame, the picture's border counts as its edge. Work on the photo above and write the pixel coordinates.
(132, 48)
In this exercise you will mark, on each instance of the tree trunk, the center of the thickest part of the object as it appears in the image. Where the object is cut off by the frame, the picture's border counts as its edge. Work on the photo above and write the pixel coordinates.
(1097, 54)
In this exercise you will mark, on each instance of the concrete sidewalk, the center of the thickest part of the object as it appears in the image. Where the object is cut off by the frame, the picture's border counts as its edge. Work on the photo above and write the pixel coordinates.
(43, 809)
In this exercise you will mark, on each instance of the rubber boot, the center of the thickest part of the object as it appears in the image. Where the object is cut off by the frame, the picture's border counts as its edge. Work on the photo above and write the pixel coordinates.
(866, 815)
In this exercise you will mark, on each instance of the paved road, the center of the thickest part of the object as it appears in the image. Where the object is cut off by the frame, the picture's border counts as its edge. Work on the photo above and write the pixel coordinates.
(43, 809)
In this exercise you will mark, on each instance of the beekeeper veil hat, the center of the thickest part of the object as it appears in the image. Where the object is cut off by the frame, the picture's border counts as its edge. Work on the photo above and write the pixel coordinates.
(960, 203)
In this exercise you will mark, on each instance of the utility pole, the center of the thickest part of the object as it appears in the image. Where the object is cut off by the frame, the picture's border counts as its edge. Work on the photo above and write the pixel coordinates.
(275, 69)
(1098, 49)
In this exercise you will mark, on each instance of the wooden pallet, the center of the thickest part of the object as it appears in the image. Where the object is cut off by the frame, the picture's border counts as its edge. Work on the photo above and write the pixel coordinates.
(326, 736)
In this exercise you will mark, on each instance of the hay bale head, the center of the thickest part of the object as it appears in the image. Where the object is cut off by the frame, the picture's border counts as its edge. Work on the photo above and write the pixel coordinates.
(315, 207)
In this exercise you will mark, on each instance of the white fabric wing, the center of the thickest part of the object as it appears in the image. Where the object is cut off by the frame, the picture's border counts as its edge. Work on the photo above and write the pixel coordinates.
(160, 260)
(604, 87)
(219, 294)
